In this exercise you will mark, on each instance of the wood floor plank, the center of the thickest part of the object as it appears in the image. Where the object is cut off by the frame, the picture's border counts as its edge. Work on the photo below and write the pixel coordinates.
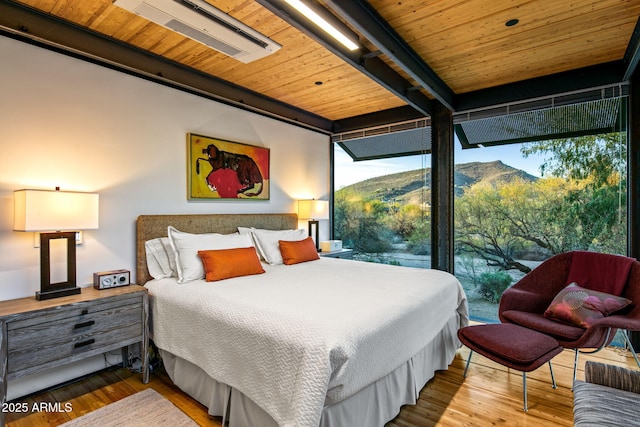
(491, 395)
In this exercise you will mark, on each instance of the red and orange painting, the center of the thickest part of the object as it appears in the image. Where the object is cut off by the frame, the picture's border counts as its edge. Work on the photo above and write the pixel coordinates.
(219, 169)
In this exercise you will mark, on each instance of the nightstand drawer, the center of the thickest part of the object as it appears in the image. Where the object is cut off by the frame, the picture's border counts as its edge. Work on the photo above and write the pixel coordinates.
(78, 310)
(43, 342)
(49, 333)
(27, 360)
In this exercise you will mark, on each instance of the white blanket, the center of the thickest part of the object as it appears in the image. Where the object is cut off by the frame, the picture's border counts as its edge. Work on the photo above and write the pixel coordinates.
(297, 335)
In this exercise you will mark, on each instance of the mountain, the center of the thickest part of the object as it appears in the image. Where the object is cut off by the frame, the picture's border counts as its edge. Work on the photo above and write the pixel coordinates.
(414, 186)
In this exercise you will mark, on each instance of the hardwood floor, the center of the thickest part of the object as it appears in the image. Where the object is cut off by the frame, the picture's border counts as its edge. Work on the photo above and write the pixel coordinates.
(99, 390)
(490, 395)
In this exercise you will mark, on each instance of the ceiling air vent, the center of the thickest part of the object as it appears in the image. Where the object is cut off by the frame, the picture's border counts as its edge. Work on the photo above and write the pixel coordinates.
(202, 22)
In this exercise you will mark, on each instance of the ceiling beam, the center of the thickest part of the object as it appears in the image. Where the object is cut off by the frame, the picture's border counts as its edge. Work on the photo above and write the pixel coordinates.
(363, 60)
(362, 16)
(632, 54)
(29, 25)
(565, 82)
(380, 118)
(602, 75)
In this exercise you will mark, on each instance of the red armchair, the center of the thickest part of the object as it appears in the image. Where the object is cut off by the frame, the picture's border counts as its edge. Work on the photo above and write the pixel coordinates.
(526, 301)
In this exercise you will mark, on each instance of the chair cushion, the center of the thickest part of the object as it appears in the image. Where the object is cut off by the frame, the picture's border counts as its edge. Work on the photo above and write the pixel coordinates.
(581, 307)
(504, 342)
(600, 272)
(537, 321)
(597, 405)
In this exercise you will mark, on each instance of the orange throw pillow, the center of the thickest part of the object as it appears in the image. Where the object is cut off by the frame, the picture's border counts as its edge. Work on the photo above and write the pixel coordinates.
(226, 263)
(294, 252)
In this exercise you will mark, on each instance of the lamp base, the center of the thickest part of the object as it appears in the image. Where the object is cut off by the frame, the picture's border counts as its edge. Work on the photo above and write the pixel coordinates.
(50, 290)
(315, 223)
(57, 293)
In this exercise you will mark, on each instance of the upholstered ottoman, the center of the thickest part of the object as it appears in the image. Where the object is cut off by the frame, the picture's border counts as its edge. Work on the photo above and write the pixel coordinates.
(512, 346)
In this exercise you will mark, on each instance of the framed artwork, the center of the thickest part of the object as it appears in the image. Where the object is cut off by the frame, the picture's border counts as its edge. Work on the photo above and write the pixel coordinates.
(219, 169)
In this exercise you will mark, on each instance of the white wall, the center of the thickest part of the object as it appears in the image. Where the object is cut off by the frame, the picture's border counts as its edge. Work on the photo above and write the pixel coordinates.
(82, 127)
(69, 123)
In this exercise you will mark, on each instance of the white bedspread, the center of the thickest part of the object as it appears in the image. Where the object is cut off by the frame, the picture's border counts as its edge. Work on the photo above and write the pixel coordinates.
(297, 334)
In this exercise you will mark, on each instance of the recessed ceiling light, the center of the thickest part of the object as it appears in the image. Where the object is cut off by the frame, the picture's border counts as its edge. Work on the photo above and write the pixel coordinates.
(511, 22)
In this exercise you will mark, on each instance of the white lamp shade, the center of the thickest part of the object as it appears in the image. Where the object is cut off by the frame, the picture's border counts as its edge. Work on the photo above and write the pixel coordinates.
(42, 210)
(313, 209)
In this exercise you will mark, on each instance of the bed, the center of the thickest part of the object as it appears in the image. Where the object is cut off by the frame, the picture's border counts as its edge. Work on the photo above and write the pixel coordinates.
(329, 342)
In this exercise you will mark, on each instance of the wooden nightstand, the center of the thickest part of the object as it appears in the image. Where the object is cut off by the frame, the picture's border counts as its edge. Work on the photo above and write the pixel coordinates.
(38, 335)
(342, 253)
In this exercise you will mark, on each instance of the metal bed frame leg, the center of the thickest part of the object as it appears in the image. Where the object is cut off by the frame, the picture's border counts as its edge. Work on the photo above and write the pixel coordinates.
(468, 361)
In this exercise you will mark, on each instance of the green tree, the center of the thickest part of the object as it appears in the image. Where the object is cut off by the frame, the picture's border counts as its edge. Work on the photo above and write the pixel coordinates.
(483, 224)
(580, 205)
(593, 157)
(493, 284)
(403, 220)
(359, 222)
(597, 164)
(498, 222)
(419, 242)
(538, 213)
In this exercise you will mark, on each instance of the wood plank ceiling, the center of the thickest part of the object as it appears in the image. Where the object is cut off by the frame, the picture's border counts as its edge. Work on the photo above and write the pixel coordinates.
(458, 52)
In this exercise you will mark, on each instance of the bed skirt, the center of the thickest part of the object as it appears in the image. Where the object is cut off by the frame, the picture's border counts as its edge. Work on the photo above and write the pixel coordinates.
(374, 405)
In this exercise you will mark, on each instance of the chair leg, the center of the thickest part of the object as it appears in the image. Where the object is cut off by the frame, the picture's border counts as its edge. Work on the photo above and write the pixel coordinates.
(575, 366)
(625, 333)
(553, 378)
(524, 387)
(468, 361)
(524, 392)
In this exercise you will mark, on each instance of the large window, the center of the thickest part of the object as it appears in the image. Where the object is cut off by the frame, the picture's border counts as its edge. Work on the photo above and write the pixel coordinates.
(524, 203)
(381, 208)
(528, 185)
(521, 203)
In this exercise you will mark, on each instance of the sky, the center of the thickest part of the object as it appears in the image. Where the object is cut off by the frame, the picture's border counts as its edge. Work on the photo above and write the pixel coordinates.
(348, 172)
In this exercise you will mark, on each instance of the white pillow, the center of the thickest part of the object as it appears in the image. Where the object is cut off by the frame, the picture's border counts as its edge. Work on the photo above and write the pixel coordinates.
(249, 231)
(245, 230)
(267, 242)
(187, 245)
(161, 258)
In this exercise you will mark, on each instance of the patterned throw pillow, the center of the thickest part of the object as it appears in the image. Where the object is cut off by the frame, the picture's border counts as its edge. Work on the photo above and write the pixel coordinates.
(581, 307)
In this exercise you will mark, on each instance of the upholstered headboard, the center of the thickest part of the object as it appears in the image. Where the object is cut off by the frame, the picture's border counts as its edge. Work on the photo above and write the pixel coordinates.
(152, 226)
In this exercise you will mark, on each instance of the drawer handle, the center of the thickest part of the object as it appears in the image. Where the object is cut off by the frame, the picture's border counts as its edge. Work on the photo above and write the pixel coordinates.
(84, 343)
(85, 324)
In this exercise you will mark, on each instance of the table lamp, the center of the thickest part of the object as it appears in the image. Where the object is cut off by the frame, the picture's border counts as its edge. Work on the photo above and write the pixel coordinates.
(65, 212)
(313, 210)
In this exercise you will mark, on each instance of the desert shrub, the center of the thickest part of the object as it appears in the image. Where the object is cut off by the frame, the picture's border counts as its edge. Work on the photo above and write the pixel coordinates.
(419, 242)
(469, 268)
(359, 224)
(491, 285)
